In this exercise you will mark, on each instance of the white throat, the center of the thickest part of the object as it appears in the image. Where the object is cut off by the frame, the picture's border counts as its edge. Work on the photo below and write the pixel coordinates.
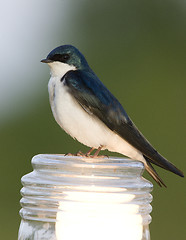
(59, 69)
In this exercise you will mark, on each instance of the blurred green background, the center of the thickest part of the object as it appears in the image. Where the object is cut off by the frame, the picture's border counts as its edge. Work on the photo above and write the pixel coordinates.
(137, 48)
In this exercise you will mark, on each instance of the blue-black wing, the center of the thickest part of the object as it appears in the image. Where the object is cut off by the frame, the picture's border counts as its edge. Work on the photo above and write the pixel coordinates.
(96, 99)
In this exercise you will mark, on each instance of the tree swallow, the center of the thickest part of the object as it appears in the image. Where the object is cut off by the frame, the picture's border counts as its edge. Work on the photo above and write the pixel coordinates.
(88, 111)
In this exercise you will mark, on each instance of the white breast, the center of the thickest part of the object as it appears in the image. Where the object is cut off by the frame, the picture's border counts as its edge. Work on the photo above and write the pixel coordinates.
(83, 126)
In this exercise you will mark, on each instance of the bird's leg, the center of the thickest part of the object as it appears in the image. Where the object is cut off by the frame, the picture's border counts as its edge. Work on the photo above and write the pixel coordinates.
(79, 153)
(85, 154)
(89, 152)
(97, 151)
(95, 155)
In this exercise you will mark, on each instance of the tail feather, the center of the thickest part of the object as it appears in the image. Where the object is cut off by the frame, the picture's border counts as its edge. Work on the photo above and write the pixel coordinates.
(153, 173)
(160, 161)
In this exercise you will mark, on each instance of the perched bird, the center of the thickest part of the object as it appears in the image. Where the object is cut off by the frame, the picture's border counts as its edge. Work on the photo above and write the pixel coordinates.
(88, 111)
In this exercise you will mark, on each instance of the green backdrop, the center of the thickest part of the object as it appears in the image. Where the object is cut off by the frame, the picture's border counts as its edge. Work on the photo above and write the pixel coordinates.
(138, 50)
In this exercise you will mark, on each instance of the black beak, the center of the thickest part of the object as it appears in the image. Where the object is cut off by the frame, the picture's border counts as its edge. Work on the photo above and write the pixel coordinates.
(46, 61)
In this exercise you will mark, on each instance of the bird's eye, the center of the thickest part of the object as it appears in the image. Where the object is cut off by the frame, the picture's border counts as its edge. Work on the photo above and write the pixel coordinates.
(65, 57)
(60, 57)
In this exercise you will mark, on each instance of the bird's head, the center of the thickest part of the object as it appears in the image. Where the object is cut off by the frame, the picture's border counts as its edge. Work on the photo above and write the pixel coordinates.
(65, 57)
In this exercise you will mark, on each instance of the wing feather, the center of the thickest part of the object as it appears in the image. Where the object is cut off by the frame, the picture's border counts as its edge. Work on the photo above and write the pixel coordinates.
(96, 99)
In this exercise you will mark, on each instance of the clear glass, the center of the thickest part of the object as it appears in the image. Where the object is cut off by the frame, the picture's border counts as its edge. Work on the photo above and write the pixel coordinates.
(68, 197)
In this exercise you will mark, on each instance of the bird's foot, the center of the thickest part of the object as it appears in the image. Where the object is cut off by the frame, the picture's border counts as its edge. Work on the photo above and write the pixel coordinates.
(79, 154)
(88, 154)
(95, 155)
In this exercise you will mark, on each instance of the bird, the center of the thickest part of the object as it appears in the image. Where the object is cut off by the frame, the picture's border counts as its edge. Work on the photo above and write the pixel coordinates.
(86, 110)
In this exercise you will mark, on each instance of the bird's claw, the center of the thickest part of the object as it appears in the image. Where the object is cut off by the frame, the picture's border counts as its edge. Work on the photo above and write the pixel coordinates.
(88, 154)
(79, 154)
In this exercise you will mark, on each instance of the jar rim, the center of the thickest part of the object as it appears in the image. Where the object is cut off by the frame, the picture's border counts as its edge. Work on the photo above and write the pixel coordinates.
(109, 162)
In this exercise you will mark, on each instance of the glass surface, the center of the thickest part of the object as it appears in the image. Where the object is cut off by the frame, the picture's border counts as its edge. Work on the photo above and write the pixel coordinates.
(67, 197)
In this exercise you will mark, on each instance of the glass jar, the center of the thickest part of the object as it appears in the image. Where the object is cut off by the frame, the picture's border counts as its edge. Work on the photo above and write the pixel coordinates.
(69, 197)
